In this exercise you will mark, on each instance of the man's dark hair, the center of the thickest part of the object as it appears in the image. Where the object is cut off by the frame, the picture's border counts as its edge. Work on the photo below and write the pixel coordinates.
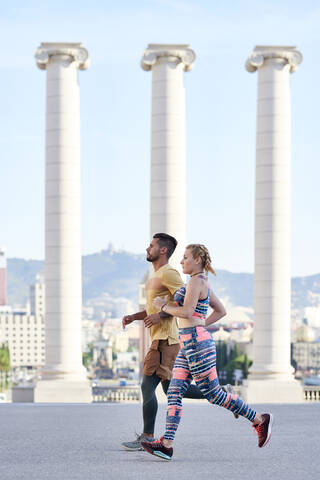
(165, 240)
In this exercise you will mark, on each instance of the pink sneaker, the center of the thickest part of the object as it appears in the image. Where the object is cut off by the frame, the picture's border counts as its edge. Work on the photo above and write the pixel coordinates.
(157, 448)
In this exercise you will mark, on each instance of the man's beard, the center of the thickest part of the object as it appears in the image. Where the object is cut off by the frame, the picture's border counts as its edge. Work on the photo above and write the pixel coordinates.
(151, 258)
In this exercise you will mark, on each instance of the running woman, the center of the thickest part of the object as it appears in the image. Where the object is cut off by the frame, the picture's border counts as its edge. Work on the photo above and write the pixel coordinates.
(196, 359)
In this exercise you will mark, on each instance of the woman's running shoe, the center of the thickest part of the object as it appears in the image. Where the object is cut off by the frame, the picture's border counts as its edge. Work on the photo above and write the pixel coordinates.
(263, 429)
(157, 448)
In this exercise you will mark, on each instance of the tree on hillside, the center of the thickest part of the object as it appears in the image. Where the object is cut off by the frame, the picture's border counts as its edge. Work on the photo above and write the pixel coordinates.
(4, 365)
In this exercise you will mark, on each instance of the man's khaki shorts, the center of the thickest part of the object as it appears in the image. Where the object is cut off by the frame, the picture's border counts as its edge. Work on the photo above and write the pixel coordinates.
(160, 359)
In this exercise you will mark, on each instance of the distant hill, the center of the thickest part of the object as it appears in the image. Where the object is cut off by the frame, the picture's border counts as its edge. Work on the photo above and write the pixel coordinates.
(21, 274)
(116, 272)
(305, 291)
(120, 272)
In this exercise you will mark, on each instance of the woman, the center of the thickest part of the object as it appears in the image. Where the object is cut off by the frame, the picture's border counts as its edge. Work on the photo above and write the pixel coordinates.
(197, 357)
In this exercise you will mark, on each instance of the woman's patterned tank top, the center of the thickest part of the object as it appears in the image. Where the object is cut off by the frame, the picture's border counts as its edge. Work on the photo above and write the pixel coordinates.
(201, 309)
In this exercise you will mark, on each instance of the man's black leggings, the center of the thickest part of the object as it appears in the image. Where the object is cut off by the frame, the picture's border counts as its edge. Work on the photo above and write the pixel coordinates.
(150, 402)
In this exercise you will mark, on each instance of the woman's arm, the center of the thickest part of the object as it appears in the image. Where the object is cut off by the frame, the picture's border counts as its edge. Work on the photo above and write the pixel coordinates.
(218, 309)
(190, 301)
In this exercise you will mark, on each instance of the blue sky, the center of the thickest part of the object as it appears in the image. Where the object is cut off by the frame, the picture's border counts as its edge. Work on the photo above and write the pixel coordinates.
(115, 121)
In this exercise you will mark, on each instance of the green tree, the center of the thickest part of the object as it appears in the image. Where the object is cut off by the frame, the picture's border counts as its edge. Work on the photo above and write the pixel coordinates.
(87, 357)
(222, 359)
(246, 364)
(234, 353)
(230, 372)
(228, 362)
(4, 365)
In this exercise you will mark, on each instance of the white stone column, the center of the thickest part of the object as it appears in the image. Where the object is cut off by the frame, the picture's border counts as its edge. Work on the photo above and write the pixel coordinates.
(271, 375)
(168, 141)
(63, 225)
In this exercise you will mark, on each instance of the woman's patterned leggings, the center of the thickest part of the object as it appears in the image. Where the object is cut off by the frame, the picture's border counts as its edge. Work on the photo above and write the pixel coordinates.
(197, 360)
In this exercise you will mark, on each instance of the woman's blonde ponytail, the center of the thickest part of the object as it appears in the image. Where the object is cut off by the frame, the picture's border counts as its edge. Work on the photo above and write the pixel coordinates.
(199, 250)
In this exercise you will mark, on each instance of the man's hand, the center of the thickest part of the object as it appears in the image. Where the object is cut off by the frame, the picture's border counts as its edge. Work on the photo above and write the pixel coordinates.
(152, 319)
(126, 320)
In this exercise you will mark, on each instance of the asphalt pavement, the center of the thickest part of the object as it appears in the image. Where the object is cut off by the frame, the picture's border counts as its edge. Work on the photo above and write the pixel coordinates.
(77, 441)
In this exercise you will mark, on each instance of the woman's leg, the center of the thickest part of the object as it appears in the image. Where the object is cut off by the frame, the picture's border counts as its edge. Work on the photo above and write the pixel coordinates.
(180, 382)
(202, 364)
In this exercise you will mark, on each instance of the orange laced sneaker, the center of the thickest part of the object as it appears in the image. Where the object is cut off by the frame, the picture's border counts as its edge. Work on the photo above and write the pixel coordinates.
(263, 429)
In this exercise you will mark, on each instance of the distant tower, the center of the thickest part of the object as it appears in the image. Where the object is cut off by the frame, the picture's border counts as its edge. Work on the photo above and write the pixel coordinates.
(3, 276)
(37, 297)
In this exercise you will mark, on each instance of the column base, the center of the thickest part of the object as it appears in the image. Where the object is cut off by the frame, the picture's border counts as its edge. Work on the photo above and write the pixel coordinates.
(63, 391)
(272, 391)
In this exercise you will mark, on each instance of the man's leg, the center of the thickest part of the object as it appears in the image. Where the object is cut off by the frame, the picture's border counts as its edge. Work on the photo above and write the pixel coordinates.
(192, 392)
(150, 407)
(150, 403)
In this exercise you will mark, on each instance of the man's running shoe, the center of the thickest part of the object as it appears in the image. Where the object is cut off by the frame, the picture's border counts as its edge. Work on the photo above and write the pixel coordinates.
(264, 429)
(157, 448)
(229, 389)
(135, 445)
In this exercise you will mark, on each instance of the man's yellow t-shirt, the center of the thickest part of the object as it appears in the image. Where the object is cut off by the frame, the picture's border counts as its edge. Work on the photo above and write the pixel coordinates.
(165, 281)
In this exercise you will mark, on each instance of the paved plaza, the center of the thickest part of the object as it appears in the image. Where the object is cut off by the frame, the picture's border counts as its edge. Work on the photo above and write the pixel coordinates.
(78, 441)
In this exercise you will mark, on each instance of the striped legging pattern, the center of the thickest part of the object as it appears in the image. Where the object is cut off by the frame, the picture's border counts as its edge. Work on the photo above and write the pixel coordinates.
(196, 361)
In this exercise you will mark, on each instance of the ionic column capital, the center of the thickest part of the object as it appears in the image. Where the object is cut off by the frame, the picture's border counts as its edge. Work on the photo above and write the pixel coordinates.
(183, 53)
(263, 53)
(75, 51)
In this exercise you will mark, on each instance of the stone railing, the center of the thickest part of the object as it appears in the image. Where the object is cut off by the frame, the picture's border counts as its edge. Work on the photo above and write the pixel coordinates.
(129, 393)
(312, 393)
(116, 394)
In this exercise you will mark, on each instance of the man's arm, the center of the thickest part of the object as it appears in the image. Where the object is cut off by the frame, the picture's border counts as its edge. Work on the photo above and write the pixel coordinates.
(139, 315)
(172, 281)
(127, 319)
(155, 318)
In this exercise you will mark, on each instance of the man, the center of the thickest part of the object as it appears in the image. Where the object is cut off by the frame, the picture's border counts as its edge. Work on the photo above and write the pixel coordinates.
(159, 360)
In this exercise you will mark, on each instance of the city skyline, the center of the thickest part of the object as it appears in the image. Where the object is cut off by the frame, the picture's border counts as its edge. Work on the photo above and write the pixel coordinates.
(116, 122)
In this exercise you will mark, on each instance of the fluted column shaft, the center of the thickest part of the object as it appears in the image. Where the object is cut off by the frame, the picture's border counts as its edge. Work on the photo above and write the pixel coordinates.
(63, 208)
(168, 141)
(272, 292)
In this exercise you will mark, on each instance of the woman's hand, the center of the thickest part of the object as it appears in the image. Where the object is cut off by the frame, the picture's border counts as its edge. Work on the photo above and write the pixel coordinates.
(159, 302)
